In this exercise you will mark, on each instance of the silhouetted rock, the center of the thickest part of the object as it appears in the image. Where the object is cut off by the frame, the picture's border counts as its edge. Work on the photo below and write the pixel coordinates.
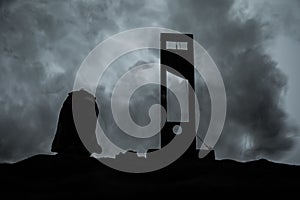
(67, 140)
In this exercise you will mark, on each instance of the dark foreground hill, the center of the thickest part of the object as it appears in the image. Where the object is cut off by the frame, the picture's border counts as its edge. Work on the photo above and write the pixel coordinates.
(67, 176)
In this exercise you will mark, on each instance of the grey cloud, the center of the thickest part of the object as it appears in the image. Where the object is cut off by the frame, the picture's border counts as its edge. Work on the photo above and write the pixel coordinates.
(280, 16)
(43, 43)
(256, 124)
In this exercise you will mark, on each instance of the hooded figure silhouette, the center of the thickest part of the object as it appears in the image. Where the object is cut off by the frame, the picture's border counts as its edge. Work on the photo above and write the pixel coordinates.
(67, 139)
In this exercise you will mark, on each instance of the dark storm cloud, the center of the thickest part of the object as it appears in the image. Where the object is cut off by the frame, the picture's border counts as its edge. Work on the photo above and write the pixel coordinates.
(256, 124)
(42, 44)
(281, 16)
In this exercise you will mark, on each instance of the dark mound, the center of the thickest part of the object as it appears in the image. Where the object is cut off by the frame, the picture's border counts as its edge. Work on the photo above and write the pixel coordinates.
(67, 175)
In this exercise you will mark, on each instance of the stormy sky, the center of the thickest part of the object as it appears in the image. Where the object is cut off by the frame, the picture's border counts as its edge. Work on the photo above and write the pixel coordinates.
(255, 45)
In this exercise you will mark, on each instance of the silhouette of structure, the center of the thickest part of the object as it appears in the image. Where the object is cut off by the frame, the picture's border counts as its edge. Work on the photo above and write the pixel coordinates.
(67, 140)
(177, 61)
(177, 58)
